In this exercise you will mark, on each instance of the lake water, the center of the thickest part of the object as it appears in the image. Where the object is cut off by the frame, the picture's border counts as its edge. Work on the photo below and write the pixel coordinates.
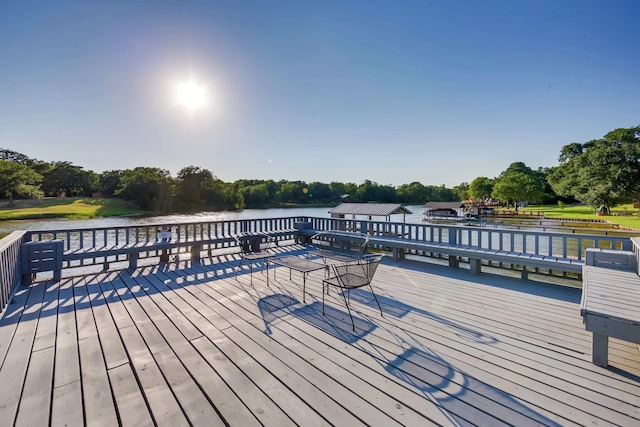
(415, 217)
(58, 223)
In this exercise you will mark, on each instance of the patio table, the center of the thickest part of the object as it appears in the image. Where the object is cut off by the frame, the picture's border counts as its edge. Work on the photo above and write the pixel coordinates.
(293, 262)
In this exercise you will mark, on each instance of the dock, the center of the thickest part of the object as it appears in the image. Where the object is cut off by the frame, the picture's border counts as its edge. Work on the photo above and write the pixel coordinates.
(185, 343)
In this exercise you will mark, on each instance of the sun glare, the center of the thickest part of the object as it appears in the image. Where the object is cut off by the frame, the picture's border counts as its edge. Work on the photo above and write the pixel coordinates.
(191, 95)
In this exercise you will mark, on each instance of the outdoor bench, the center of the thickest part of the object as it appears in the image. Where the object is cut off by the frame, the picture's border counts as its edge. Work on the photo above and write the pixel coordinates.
(165, 243)
(610, 305)
(475, 255)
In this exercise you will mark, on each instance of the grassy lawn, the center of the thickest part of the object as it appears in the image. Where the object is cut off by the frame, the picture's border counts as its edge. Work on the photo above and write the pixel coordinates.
(72, 208)
(628, 218)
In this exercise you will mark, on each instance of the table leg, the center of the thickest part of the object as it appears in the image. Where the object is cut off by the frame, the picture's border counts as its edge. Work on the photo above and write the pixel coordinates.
(304, 286)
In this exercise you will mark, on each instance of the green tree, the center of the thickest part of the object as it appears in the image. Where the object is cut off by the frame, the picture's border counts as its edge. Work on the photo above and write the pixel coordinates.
(220, 195)
(516, 187)
(462, 191)
(255, 196)
(481, 188)
(601, 173)
(18, 180)
(191, 184)
(148, 188)
(413, 194)
(74, 180)
(109, 181)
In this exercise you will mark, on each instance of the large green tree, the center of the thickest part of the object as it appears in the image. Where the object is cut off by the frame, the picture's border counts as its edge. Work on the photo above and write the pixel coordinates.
(601, 173)
(18, 180)
(191, 185)
(71, 179)
(147, 188)
(481, 188)
(515, 187)
(109, 181)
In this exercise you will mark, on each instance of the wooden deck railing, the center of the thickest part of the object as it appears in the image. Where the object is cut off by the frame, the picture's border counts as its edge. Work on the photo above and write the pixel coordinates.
(219, 234)
(545, 243)
(10, 268)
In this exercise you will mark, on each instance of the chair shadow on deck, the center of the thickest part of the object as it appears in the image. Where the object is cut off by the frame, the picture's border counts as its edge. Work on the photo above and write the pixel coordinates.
(400, 309)
(279, 306)
(459, 393)
(462, 398)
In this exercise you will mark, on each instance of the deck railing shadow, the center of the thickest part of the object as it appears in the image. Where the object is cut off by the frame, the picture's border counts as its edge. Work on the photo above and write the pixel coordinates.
(460, 393)
(544, 289)
(46, 298)
(400, 309)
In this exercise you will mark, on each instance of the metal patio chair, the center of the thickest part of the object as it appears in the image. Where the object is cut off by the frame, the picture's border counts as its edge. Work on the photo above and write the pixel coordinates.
(338, 245)
(353, 275)
(254, 246)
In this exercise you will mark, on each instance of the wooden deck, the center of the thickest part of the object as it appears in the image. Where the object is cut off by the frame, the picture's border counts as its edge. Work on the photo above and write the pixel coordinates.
(177, 344)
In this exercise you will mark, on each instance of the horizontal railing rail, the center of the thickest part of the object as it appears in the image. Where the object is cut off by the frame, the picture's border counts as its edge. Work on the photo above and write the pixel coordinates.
(545, 243)
(100, 237)
(212, 235)
(10, 266)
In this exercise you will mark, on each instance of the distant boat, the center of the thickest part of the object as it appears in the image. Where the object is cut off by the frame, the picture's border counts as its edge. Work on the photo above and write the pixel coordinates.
(470, 219)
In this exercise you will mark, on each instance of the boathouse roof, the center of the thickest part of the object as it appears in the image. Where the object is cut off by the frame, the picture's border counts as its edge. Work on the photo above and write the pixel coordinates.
(370, 209)
(444, 205)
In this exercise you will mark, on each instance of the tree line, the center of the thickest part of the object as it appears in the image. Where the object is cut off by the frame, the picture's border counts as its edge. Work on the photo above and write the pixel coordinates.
(601, 173)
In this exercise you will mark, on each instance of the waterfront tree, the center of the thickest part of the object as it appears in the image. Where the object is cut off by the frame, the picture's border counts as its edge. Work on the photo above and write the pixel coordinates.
(515, 187)
(602, 172)
(462, 190)
(413, 194)
(481, 188)
(72, 179)
(109, 181)
(147, 188)
(18, 180)
(190, 186)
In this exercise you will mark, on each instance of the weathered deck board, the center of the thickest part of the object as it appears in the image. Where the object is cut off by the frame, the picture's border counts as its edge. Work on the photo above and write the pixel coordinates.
(564, 410)
(179, 344)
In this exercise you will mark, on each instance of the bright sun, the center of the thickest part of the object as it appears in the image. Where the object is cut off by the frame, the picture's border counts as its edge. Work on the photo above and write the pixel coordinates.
(191, 95)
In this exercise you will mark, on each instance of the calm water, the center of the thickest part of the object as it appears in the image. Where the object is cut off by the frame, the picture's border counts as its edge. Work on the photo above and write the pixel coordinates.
(50, 224)
(416, 217)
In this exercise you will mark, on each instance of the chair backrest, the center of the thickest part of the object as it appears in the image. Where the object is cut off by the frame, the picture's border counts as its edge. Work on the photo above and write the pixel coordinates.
(349, 242)
(359, 273)
(252, 242)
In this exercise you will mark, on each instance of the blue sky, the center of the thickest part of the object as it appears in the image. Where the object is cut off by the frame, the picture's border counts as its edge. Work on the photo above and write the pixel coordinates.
(438, 92)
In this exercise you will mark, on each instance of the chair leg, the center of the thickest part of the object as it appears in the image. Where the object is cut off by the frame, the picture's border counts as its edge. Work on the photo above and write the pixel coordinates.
(323, 297)
(376, 298)
(353, 325)
(238, 267)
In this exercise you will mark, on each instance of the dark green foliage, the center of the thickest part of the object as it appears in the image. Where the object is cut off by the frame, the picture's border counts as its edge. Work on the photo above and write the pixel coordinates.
(147, 188)
(602, 172)
(73, 180)
(109, 182)
(18, 180)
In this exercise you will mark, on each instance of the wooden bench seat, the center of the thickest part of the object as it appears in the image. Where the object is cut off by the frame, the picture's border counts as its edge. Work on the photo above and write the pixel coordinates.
(610, 305)
(164, 248)
(475, 255)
